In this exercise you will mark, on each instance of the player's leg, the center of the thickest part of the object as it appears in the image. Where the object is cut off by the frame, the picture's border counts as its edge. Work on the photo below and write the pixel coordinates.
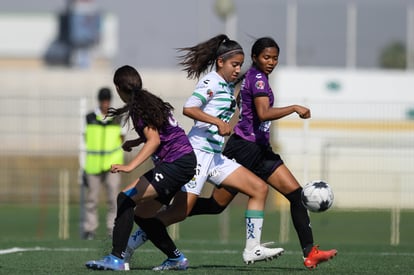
(245, 153)
(284, 181)
(179, 209)
(219, 200)
(169, 178)
(157, 232)
(175, 212)
(232, 175)
(126, 201)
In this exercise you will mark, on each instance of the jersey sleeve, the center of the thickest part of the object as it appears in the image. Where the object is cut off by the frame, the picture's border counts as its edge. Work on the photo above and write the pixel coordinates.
(202, 94)
(259, 85)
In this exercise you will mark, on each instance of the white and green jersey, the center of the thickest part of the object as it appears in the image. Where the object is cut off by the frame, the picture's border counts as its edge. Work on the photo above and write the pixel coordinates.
(214, 96)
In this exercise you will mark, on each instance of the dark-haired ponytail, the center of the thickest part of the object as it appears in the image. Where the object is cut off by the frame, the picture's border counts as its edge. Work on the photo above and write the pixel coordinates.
(203, 56)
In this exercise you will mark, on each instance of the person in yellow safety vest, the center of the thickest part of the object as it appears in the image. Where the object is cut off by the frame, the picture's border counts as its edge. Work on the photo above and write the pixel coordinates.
(103, 141)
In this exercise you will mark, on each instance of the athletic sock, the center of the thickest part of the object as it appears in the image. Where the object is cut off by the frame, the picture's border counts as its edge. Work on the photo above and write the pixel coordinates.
(158, 235)
(124, 222)
(206, 206)
(138, 238)
(307, 250)
(254, 224)
(301, 220)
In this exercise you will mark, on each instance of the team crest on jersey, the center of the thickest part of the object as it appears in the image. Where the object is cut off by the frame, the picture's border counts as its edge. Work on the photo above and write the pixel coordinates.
(209, 93)
(260, 84)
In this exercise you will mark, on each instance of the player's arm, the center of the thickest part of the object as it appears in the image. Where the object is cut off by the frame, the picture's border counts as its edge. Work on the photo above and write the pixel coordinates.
(192, 109)
(150, 146)
(266, 113)
(197, 114)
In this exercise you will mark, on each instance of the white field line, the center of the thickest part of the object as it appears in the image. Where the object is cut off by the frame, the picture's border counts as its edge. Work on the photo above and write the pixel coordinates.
(226, 251)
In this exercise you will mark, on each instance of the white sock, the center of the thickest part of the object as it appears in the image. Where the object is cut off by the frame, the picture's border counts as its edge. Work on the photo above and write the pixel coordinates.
(253, 232)
(137, 239)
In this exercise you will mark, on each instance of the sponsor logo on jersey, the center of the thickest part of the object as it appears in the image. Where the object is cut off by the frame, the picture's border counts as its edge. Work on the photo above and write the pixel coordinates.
(203, 84)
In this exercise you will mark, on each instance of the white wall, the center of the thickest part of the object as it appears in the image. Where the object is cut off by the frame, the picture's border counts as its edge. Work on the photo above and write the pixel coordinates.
(360, 138)
(354, 88)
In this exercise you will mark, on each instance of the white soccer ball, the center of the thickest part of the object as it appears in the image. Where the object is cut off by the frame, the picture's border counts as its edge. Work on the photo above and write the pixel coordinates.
(317, 196)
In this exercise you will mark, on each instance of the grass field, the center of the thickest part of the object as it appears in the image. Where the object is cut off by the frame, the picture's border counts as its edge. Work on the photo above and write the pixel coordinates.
(29, 244)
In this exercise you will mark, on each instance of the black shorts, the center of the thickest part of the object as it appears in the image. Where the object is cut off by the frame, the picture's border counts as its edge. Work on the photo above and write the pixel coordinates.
(259, 159)
(168, 178)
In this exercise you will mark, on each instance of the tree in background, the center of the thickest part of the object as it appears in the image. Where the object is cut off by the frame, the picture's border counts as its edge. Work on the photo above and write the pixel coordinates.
(393, 56)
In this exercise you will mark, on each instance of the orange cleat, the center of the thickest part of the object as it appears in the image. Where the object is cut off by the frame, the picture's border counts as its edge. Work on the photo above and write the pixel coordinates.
(317, 256)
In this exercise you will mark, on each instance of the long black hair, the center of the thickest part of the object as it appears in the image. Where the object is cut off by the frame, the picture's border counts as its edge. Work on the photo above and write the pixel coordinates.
(203, 56)
(139, 103)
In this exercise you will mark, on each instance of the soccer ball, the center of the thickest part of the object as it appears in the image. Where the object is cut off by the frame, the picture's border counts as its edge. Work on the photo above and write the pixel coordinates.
(317, 196)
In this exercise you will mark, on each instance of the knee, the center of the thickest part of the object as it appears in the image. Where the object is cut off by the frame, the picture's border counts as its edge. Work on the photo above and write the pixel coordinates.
(124, 201)
(295, 196)
(263, 189)
(260, 187)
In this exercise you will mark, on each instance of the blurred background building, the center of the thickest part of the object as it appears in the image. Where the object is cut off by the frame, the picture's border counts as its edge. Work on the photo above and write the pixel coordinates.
(340, 33)
(350, 61)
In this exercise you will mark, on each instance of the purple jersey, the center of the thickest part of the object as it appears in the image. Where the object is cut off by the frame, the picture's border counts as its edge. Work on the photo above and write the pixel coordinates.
(249, 126)
(174, 142)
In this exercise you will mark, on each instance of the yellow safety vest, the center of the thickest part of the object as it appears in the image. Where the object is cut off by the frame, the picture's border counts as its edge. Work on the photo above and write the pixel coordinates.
(103, 144)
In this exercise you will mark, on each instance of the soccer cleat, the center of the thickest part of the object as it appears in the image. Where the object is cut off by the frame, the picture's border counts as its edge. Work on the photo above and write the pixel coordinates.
(171, 264)
(261, 253)
(317, 256)
(109, 262)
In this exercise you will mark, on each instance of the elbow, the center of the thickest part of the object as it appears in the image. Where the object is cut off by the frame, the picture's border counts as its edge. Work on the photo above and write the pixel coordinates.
(154, 142)
(157, 142)
(262, 117)
(187, 112)
(262, 114)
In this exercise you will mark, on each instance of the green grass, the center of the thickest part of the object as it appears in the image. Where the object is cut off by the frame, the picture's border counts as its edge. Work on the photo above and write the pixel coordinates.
(361, 237)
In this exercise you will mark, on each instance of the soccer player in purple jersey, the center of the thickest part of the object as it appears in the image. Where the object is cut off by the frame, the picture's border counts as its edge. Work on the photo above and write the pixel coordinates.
(250, 146)
(174, 160)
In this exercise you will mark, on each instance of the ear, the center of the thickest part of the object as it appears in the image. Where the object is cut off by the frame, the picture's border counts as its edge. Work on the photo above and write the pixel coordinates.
(254, 58)
(220, 62)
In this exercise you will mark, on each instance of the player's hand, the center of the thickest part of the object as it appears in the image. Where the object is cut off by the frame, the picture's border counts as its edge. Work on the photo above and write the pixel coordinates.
(303, 112)
(224, 128)
(116, 168)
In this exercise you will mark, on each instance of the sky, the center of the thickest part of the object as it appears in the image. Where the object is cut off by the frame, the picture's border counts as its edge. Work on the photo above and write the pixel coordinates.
(151, 30)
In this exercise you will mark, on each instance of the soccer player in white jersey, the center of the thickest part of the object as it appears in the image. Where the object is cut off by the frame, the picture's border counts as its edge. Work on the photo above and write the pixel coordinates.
(212, 105)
